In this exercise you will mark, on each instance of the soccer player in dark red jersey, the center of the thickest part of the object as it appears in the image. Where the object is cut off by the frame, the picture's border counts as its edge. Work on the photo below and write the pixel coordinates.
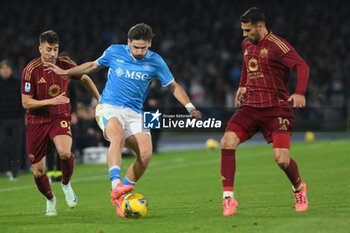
(48, 117)
(267, 106)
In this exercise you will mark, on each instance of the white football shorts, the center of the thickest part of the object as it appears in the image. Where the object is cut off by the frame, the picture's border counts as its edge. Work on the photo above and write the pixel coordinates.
(131, 121)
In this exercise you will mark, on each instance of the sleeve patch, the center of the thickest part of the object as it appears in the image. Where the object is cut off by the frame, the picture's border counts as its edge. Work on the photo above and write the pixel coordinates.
(27, 87)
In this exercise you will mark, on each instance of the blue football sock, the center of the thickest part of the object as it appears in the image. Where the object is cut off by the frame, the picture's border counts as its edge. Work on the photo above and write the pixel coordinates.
(114, 173)
(126, 181)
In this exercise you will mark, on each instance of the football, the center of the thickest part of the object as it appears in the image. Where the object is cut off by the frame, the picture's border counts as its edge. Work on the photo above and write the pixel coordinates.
(134, 205)
(211, 144)
(309, 136)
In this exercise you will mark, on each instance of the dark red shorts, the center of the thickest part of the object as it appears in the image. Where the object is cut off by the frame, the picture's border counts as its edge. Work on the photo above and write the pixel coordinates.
(40, 136)
(270, 121)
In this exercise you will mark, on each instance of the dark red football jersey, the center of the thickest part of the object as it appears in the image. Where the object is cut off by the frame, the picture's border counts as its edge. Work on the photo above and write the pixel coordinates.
(266, 70)
(42, 85)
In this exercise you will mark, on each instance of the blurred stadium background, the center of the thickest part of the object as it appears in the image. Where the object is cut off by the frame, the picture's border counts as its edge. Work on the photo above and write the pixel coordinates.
(200, 41)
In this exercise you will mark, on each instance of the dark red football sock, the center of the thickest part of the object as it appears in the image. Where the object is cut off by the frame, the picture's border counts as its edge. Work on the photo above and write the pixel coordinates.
(293, 173)
(44, 187)
(228, 168)
(67, 169)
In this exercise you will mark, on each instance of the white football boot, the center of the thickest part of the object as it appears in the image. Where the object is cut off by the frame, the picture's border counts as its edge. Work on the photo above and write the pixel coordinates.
(51, 207)
(71, 199)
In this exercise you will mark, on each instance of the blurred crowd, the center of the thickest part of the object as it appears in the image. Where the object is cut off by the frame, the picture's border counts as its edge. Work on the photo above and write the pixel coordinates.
(200, 41)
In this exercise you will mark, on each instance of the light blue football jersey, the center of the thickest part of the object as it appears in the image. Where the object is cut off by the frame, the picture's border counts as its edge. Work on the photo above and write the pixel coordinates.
(129, 79)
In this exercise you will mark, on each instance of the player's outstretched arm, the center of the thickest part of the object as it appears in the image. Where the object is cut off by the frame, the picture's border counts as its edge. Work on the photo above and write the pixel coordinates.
(85, 68)
(90, 86)
(182, 97)
(29, 103)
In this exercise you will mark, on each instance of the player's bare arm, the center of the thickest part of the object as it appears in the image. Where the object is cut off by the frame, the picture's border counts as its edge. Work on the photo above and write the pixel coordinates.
(29, 103)
(182, 97)
(240, 96)
(85, 68)
(298, 100)
(90, 86)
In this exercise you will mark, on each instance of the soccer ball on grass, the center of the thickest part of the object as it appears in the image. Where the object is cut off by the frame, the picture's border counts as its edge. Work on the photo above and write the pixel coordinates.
(134, 205)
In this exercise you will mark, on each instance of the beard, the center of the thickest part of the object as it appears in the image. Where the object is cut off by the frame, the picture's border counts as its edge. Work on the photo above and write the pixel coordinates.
(138, 57)
(255, 39)
(50, 59)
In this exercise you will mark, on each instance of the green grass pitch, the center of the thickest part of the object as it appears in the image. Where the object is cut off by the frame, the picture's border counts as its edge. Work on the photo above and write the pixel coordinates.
(185, 195)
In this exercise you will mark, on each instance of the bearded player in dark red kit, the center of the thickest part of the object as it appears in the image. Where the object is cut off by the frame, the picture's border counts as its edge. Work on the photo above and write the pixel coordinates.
(267, 105)
(48, 118)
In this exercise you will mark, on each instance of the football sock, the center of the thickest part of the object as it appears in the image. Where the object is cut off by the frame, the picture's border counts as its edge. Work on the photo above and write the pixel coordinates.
(227, 194)
(114, 175)
(293, 174)
(126, 181)
(67, 169)
(228, 168)
(44, 187)
(301, 186)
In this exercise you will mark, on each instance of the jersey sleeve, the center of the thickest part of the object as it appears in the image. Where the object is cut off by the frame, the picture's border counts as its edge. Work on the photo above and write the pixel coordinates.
(28, 83)
(293, 61)
(104, 60)
(163, 73)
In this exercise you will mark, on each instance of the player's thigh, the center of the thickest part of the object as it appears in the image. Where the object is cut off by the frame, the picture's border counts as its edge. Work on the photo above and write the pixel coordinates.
(114, 131)
(243, 124)
(111, 120)
(230, 140)
(238, 129)
(141, 143)
(61, 135)
(275, 121)
(134, 124)
(38, 141)
(63, 144)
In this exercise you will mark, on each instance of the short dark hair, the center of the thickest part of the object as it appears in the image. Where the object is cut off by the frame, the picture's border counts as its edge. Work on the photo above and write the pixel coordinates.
(49, 36)
(141, 31)
(5, 62)
(253, 15)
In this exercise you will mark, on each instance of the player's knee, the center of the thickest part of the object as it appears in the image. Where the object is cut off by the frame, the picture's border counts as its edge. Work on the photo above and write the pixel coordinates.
(38, 173)
(65, 154)
(282, 160)
(116, 142)
(282, 164)
(229, 142)
(114, 132)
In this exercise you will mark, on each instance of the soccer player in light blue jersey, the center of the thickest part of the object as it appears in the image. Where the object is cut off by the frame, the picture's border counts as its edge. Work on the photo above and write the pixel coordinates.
(132, 69)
